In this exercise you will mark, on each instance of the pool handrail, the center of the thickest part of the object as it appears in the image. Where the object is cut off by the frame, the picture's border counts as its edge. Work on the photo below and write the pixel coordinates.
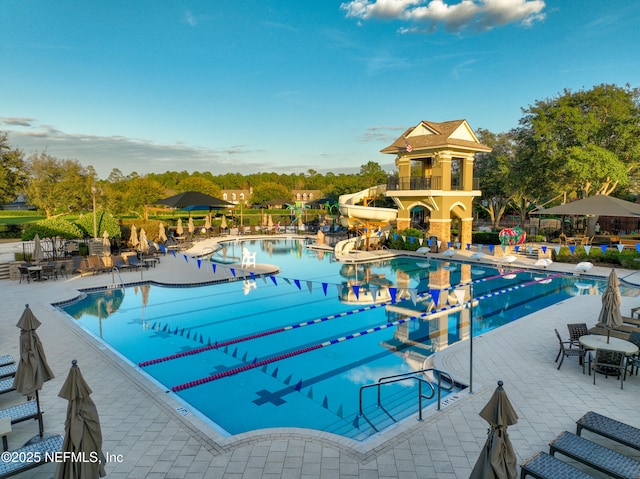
(413, 375)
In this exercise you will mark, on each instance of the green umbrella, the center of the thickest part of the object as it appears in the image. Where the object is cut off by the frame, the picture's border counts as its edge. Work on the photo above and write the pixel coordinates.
(83, 436)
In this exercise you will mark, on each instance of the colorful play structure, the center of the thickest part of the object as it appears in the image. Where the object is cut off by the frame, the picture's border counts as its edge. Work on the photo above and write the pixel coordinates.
(435, 174)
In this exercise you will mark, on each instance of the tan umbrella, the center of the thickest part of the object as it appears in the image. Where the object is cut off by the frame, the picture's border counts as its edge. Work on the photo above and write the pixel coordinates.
(610, 315)
(269, 222)
(497, 458)
(33, 370)
(179, 228)
(223, 223)
(207, 222)
(106, 243)
(144, 243)
(162, 234)
(191, 227)
(83, 435)
(37, 248)
(133, 239)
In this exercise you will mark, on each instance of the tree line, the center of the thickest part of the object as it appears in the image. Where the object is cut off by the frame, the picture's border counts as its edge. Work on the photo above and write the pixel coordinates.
(572, 145)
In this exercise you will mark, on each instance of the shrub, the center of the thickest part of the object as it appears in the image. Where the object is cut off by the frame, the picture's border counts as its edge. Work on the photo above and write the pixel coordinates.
(396, 241)
(104, 221)
(485, 237)
(52, 228)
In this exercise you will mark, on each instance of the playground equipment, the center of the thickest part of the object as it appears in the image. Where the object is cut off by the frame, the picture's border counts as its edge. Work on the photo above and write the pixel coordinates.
(366, 220)
(512, 236)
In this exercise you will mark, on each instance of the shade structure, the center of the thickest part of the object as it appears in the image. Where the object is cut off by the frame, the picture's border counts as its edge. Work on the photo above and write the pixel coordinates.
(207, 222)
(144, 243)
(179, 228)
(133, 238)
(162, 235)
(598, 205)
(83, 435)
(191, 227)
(610, 316)
(33, 370)
(106, 243)
(194, 200)
(223, 223)
(269, 222)
(38, 255)
(497, 458)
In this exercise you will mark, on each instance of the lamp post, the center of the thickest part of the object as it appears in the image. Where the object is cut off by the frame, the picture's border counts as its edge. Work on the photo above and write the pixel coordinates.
(94, 190)
(460, 294)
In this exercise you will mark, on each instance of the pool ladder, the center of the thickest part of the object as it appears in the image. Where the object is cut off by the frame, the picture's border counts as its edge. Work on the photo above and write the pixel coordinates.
(444, 382)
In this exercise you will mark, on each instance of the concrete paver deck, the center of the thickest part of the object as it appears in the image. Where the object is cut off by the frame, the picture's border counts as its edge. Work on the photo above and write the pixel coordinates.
(147, 437)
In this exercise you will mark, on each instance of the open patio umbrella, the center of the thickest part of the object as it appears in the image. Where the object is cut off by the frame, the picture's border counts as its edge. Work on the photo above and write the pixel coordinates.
(194, 200)
(37, 248)
(497, 458)
(133, 238)
(82, 430)
(610, 315)
(33, 370)
(162, 234)
(144, 243)
(179, 228)
(106, 243)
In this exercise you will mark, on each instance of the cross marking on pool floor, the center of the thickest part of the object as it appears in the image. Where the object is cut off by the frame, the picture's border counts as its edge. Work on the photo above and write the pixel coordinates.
(273, 398)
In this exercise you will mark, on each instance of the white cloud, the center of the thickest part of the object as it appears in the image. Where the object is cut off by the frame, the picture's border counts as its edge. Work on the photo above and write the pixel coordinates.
(427, 15)
(190, 19)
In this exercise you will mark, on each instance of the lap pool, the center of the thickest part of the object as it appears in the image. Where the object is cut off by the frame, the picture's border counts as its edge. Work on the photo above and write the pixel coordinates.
(294, 349)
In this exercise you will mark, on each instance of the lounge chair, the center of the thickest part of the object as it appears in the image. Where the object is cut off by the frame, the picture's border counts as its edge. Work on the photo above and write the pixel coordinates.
(6, 385)
(594, 455)
(8, 371)
(609, 428)
(568, 351)
(134, 262)
(544, 466)
(24, 412)
(38, 453)
(6, 359)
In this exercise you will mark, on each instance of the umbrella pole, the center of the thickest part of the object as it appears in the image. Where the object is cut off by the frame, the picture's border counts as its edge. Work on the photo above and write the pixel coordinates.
(40, 424)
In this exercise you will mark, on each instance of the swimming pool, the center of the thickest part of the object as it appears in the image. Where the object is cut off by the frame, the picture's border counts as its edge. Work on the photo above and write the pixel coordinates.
(294, 349)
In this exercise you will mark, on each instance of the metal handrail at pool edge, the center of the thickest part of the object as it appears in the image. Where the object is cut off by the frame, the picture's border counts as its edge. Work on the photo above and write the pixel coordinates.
(413, 375)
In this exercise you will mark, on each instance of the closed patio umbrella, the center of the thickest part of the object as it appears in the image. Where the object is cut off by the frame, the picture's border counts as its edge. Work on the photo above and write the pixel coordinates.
(497, 458)
(144, 243)
(162, 234)
(610, 315)
(133, 238)
(191, 227)
(82, 430)
(106, 243)
(179, 228)
(37, 248)
(207, 222)
(223, 223)
(33, 370)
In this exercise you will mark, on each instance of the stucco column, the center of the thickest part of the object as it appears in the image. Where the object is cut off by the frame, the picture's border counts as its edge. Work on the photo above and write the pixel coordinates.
(466, 228)
(440, 228)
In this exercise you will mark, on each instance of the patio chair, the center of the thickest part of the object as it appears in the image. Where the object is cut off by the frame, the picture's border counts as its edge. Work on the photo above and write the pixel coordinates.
(25, 273)
(633, 362)
(49, 271)
(568, 351)
(608, 362)
(575, 331)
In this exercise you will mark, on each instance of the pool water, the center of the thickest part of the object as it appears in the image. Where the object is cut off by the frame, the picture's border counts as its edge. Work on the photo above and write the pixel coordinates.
(300, 344)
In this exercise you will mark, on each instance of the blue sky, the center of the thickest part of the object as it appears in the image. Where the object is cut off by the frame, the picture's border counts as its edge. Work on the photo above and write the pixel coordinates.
(248, 86)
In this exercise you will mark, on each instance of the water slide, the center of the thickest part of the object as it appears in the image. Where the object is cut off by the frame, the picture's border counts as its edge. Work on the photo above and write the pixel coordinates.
(361, 215)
